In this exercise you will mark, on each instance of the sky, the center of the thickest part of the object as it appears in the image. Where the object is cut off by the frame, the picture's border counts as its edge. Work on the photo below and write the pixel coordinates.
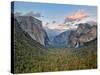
(54, 15)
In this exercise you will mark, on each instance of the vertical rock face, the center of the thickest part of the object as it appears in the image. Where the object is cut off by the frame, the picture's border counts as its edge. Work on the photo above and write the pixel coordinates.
(34, 28)
(84, 33)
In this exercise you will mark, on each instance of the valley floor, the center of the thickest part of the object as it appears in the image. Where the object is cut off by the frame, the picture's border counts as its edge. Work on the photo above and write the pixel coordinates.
(59, 59)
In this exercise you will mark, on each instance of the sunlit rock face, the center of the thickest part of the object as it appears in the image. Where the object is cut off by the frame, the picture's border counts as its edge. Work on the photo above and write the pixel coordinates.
(33, 27)
(84, 33)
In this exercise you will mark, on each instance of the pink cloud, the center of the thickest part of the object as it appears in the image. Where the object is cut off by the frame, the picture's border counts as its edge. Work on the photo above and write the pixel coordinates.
(75, 16)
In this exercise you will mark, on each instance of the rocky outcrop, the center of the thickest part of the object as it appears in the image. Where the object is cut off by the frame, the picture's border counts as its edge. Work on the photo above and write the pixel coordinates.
(84, 33)
(34, 28)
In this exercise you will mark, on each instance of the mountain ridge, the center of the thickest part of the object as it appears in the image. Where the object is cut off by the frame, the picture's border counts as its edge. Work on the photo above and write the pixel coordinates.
(75, 38)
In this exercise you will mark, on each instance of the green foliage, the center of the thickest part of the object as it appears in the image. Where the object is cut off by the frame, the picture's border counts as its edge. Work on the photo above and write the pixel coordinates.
(30, 56)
